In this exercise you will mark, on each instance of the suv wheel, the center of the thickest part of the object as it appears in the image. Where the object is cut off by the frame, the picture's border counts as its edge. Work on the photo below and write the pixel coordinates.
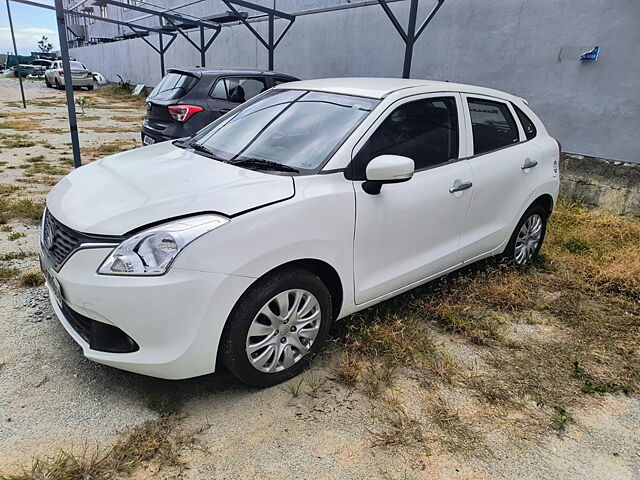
(58, 85)
(527, 238)
(277, 327)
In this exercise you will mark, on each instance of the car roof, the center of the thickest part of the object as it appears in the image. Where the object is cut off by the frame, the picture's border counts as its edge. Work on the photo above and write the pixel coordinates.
(200, 71)
(381, 87)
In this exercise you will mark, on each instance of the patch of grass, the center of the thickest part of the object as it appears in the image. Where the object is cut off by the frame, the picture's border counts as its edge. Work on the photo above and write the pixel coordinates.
(113, 147)
(44, 169)
(591, 384)
(16, 141)
(399, 429)
(560, 419)
(8, 273)
(16, 235)
(112, 129)
(31, 279)
(6, 190)
(127, 118)
(6, 257)
(36, 159)
(159, 441)
(294, 387)
(25, 209)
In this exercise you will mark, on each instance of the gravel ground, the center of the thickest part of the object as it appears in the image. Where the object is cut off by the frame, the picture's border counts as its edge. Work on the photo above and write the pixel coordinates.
(51, 397)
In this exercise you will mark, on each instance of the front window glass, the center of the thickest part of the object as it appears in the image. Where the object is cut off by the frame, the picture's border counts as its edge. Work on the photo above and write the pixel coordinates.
(293, 128)
(173, 85)
(425, 131)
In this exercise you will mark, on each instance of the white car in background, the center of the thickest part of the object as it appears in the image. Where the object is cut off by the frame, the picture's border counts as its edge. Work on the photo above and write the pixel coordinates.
(314, 200)
(80, 75)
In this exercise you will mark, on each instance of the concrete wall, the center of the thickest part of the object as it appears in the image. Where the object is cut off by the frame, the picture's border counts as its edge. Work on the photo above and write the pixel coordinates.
(528, 48)
(614, 186)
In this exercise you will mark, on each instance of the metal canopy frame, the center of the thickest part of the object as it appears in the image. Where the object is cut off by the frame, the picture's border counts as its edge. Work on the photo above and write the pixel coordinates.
(271, 43)
(66, 68)
(411, 34)
(181, 24)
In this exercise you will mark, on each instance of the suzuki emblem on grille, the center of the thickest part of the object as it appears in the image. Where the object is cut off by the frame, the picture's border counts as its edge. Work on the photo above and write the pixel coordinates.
(48, 236)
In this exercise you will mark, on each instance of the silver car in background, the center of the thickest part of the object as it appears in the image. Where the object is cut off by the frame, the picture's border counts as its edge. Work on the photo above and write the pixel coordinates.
(80, 75)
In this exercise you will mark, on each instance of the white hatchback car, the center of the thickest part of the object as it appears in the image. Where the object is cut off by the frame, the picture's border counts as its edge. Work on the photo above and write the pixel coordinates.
(310, 202)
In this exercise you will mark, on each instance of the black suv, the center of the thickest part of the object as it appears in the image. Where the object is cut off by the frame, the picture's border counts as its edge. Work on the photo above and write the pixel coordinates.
(188, 99)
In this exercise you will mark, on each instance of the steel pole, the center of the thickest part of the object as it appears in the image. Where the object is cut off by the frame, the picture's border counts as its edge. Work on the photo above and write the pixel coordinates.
(202, 48)
(161, 43)
(271, 37)
(68, 82)
(15, 51)
(411, 38)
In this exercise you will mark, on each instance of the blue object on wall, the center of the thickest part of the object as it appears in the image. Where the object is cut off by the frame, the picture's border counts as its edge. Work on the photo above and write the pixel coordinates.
(591, 55)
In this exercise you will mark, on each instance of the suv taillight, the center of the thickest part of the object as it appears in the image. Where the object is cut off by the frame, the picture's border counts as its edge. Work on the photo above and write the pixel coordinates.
(89, 74)
(182, 113)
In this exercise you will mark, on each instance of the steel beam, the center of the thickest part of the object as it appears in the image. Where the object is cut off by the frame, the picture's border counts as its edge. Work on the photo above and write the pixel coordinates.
(68, 82)
(271, 43)
(92, 17)
(411, 35)
(15, 51)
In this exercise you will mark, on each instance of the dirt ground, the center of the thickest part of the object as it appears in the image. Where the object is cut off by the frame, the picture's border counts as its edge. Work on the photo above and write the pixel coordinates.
(319, 426)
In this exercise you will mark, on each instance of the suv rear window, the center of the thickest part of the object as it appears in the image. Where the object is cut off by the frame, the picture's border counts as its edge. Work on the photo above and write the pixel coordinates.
(172, 86)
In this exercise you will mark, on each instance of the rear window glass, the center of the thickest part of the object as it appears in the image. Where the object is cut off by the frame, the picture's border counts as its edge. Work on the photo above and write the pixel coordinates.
(527, 125)
(76, 66)
(238, 89)
(172, 86)
(492, 125)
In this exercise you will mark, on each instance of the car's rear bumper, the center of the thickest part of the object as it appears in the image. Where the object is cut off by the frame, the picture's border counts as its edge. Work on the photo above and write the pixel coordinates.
(78, 82)
(168, 326)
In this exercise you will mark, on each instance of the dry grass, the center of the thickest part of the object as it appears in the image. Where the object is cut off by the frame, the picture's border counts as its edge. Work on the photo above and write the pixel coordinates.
(158, 443)
(537, 342)
(31, 279)
(128, 118)
(24, 209)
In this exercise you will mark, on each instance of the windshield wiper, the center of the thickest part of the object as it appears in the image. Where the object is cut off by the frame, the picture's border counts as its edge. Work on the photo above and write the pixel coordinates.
(261, 164)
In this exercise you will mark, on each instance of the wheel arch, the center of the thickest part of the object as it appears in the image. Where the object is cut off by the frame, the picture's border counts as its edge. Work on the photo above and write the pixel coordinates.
(545, 201)
(327, 274)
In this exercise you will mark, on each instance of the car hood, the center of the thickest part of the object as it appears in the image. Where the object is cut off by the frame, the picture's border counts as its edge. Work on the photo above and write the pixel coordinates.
(120, 193)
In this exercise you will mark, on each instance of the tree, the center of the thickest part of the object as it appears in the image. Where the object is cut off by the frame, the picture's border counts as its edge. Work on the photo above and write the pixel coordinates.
(44, 45)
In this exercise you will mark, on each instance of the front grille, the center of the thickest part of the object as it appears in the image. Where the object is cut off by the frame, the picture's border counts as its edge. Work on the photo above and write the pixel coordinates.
(59, 242)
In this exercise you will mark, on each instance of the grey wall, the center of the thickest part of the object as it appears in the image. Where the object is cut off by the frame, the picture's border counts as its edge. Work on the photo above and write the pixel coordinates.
(528, 48)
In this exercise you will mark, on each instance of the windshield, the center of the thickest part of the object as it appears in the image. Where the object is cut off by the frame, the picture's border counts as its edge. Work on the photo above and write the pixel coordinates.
(295, 128)
(172, 86)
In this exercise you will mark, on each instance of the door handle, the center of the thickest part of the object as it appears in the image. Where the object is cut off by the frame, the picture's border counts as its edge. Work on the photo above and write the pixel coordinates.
(528, 163)
(460, 187)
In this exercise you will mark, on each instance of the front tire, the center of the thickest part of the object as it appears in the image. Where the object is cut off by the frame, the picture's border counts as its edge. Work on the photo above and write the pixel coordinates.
(527, 238)
(277, 327)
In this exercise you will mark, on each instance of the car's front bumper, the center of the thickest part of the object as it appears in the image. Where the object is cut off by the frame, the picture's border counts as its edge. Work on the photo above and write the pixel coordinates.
(175, 319)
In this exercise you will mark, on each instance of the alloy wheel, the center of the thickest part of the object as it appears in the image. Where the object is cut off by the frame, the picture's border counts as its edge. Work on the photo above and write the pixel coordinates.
(283, 330)
(528, 239)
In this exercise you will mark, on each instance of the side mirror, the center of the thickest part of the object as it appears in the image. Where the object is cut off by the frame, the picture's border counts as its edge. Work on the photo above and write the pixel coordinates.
(387, 169)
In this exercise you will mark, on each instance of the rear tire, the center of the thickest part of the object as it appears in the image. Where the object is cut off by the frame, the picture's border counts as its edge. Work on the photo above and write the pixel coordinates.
(277, 327)
(526, 240)
(58, 85)
(46, 80)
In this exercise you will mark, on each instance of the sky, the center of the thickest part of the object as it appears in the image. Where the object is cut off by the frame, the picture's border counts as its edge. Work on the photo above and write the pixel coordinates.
(30, 24)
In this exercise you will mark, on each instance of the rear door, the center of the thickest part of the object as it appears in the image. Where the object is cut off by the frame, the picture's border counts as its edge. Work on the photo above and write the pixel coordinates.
(505, 174)
(230, 91)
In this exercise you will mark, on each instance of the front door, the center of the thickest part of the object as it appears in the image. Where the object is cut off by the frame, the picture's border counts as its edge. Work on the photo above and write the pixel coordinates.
(411, 231)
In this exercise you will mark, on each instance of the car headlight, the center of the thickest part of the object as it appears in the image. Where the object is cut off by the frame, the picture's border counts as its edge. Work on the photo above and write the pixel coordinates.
(152, 251)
